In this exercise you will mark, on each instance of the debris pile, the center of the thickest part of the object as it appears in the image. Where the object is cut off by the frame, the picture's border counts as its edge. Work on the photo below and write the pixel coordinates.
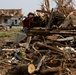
(45, 50)
(40, 55)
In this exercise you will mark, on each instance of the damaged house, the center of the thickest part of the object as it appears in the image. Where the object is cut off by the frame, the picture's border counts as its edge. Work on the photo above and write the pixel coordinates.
(10, 16)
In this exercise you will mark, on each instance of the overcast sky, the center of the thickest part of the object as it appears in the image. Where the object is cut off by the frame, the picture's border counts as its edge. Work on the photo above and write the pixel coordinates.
(26, 5)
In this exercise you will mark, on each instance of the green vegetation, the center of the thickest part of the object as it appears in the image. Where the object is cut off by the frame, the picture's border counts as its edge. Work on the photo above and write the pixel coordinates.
(12, 32)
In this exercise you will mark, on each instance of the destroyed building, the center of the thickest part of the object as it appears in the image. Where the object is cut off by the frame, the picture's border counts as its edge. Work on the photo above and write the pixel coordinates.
(10, 16)
(49, 50)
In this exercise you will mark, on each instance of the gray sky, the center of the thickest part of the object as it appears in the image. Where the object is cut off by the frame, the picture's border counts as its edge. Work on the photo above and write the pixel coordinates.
(26, 5)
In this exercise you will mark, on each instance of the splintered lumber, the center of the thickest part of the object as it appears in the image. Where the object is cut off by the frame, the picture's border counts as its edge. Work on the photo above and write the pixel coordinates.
(66, 39)
(72, 28)
(50, 20)
(66, 23)
(28, 41)
(50, 47)
(68, 3)
(39, 31)
(52, 37)
(42, 11)
(47, 32)
(47, 4)
(51, 69)
(7, 49)
(35, 48)
(31, 68)
(26, 45)
(63, 32)
(27, 59)
(40, 63)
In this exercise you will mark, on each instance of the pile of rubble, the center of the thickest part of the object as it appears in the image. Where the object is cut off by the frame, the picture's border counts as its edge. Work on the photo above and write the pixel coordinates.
(40, 54)
(50, 50)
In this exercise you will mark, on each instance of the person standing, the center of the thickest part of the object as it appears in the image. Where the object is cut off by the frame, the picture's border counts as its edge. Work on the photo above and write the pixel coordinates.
(27, 21)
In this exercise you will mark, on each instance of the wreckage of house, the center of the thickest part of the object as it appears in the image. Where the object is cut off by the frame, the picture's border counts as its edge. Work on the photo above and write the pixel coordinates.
(49, 50)
(10, 16)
